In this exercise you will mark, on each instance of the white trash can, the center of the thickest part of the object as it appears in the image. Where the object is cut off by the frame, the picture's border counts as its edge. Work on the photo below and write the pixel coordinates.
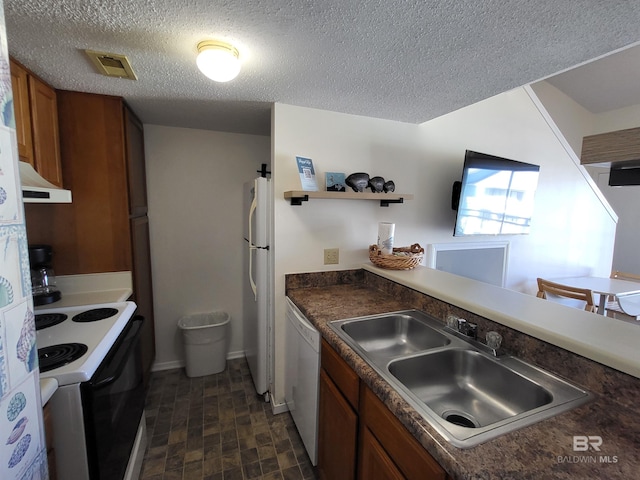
(206, 342)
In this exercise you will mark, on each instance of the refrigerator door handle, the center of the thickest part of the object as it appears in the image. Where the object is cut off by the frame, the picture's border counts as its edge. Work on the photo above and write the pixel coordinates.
(252, 212)
(252, 282)
(252, 248)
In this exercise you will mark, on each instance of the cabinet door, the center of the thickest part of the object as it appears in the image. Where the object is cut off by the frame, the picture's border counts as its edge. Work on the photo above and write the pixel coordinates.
(44, 122)
(20, 86)
(134, 144)
(375, 464)
(143, 291)
(337, 438)
(400, 446)
(92, 234)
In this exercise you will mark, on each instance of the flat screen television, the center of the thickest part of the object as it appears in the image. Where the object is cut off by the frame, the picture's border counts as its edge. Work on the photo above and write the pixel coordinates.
(495, 196)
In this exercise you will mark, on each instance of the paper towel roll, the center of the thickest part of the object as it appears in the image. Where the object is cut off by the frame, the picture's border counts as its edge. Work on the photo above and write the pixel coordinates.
(385, 237)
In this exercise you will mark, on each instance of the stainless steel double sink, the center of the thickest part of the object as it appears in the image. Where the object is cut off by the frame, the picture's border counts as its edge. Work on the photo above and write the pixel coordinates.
(466, 394)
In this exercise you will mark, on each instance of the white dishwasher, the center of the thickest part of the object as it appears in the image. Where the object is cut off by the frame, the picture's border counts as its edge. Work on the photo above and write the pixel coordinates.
(302, 373)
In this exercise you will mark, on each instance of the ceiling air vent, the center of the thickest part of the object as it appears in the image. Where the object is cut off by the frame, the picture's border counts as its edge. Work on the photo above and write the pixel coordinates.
(112, 64)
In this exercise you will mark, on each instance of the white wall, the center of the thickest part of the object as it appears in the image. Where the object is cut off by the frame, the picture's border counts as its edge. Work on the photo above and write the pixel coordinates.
(572, 231)
(625, 202)
(572, 119)
(619, 119)
(195, 180)
(625, 199)
(575, 123)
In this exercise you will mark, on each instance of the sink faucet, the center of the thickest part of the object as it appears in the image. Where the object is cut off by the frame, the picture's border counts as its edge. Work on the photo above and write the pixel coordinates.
(467, 328)
(470, 330)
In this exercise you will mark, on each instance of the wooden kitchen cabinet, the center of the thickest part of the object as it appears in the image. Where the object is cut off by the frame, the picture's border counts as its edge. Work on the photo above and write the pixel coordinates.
(338, 433)
(106, 228)
(338, 417)
(375, 463)
(142, 291)
(22, 113)
(136, 171)
(358, 436)
(405, 455)
(36, 115)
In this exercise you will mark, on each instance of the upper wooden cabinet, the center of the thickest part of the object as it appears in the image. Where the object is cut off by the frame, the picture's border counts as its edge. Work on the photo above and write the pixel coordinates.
(36, 114)
(137, 179)
(106, 174)
(105, 229)
(20, 85)
(618, 146)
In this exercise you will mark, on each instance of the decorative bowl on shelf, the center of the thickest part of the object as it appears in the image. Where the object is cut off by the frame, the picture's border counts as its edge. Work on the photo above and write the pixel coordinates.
(376, 184)
(358, 181)
(402, 258)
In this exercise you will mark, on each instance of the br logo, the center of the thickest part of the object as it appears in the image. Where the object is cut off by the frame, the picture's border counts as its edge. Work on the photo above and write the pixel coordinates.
(582, 443)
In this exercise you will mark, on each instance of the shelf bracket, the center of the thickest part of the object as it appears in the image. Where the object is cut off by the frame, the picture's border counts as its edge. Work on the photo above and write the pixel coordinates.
(386, 202)
(299, 200)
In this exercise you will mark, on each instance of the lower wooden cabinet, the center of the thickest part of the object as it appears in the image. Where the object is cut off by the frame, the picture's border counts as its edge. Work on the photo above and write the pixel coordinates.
(409, 458)
(338, 433)
(359, 437)
(375, 463)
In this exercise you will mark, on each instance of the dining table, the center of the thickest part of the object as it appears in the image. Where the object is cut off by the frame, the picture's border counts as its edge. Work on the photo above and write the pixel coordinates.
(604, 287)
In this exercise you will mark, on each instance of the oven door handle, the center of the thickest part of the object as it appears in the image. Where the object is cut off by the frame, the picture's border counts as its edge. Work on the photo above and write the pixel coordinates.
(127, 341)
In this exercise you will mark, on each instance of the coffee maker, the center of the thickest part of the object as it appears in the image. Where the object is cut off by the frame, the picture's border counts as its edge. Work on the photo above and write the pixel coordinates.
(43, 280)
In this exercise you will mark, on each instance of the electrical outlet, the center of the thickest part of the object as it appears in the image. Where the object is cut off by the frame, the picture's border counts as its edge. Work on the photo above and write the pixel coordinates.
(331, 256)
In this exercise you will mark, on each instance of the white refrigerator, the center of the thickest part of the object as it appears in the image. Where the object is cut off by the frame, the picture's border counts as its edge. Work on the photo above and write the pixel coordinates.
(257, 290)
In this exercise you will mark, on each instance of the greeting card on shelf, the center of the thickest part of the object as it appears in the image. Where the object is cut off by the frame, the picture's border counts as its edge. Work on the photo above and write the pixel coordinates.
(335, 182)
(307, 174)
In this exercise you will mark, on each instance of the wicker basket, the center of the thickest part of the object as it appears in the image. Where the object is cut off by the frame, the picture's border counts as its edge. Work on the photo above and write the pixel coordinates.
(403, 258)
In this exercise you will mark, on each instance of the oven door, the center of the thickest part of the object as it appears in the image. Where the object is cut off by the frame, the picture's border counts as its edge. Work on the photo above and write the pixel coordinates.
(113, 404)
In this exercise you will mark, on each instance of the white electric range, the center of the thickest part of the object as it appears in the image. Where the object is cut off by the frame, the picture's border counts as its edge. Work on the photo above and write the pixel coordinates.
(78, 326)
(93, 353)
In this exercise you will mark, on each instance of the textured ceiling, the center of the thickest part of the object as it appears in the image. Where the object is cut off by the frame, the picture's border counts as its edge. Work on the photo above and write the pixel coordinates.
(405, 60)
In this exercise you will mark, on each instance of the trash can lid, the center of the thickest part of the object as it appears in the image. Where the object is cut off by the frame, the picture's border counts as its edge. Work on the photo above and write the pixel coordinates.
(201, 320)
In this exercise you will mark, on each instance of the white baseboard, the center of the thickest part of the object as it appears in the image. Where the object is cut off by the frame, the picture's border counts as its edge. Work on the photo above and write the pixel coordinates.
(233, 355)
(158, 367)
(279, 407)
(170, 365)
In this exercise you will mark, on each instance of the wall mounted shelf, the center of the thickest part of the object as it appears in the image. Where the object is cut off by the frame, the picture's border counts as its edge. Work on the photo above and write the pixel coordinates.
(298, 196)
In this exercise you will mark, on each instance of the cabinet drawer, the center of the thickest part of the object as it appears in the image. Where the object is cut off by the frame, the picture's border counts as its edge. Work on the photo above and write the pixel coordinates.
(412, 459)
(341, 373)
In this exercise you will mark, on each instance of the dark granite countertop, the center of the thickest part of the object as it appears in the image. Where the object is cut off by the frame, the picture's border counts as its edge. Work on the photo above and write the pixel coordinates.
(543, 450)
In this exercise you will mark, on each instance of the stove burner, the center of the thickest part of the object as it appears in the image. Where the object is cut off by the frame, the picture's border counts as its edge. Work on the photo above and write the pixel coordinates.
(95, 315)
(44, 320)
(59, 355)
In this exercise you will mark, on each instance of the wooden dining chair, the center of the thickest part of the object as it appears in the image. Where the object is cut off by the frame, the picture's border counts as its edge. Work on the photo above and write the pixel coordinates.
(623, 308)
(566, 295)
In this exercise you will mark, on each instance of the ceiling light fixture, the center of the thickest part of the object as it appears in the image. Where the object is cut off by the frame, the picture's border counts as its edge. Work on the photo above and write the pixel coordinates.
(218, 60)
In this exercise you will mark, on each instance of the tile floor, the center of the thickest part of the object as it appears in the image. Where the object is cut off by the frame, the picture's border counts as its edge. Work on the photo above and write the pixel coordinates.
(216, 427)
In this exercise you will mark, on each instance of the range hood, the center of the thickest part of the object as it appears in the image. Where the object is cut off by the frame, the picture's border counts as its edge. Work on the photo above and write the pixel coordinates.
(624, 174)
(36, 189)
